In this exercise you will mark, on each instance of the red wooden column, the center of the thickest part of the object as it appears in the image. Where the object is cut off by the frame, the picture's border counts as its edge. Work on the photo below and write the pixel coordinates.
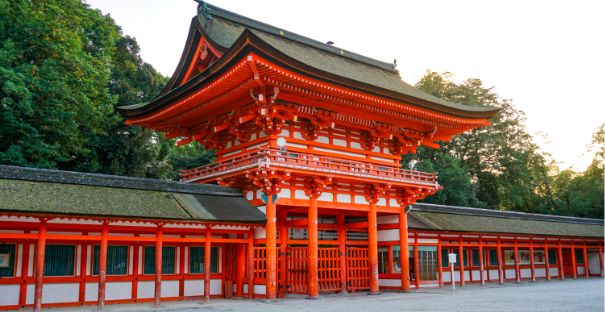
(601, 259)
(373, 246)
(404, 253)
(585, 254)
(207, 252)
(546, 261)
(439, 261)
(283, 249)
(102, 265)
(574, 264)
(158, 267)
(39, 271)
(270, 242)
(481, 265)
(516, 258)
(250, 265)
(241, 268)
(416, 263)
(312, 249)
(560, 255)
(342, 250)
(499, 255)
(461, 260)
(24, 269)
(531, 259)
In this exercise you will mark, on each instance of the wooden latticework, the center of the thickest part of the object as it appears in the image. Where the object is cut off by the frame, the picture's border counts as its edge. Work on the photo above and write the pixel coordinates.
(297, 270)
(329, 270)
(358, 272)
(260, 265)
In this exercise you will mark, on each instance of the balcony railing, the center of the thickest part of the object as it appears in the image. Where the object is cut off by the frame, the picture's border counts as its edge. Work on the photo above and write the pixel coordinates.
(272, 158)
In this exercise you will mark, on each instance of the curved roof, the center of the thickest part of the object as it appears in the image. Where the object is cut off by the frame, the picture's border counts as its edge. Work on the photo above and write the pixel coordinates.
(225, 29)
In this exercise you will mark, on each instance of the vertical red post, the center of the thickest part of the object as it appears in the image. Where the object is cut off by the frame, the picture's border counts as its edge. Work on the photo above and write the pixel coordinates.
(312, 249)
(102, 266)
(207, 260)
(39, 272)
(499, 255)
(342, 250)
(439, 261)
(574, 264)
(416, 263)
(158, 267)
(283, 249)
(270, 241)
(135, 270)
(601, 259)
(82, 273)
(516, 258)
(585, 255)
(461, 260)
(532, 260)
(24, 269)
(181, 251)
(250, 265)
(373, 248)
(560, 260)
(404, 253)
(240, 270)
(546, 260)
(481, 265)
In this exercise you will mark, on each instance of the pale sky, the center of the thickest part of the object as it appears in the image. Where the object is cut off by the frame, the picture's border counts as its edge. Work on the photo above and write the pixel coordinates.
(547, 56)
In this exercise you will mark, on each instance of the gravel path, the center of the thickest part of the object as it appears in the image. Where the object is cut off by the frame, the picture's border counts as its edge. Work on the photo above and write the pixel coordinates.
(569, 295)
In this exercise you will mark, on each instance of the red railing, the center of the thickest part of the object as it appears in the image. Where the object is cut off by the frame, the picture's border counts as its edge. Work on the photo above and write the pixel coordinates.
(267, 158)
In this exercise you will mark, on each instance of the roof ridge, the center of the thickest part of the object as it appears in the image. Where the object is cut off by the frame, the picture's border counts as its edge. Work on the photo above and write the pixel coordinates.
(106, 180)
(460, 210)
(208, 10)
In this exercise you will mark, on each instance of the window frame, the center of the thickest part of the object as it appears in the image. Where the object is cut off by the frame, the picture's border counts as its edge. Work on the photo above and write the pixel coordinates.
(74, 259)
(174, 264)
(92, 261)
(12, 260)
(203, 248)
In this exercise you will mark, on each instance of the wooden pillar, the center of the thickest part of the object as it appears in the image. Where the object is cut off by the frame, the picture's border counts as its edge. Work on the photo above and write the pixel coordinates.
(574, 264)
(532, 260)
(585, 255)
(283, 249)
(135, 270)
(181, 272)
(560, 255)
(207, 252)
(82, 274)
(416, 263)
(546, 260)
(24, 269)
(373, 247)
(102, 266)
(499, 255)
(158, 267)
(39, 269)
(439, 261)
(516, 258)
(481, 265)
(270, 242)
(312, 249)
(241, 269)
(461, 260)
(601, 259)
(404, 253)
(342, 250)
(250, 266)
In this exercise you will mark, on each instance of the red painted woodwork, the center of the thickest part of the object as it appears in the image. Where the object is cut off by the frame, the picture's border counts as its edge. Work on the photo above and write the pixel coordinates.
(207, 266)
(250, 265)
(329, 271)
(313, 253)
(158, 267)
(39, 270)
(546, 260)
(574, 265)
(416, 263)
(358, 273)
(297, 270)
(342, 250)
(562, 272)
(531, 260)
(271, 248)
(481, 266)
(102, 267)
(516, 258)
(439, 262)
(499, 255)
(461, 257)
(373, 248)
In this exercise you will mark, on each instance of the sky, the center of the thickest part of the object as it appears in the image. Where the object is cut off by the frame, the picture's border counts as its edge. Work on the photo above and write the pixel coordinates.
(548, 57)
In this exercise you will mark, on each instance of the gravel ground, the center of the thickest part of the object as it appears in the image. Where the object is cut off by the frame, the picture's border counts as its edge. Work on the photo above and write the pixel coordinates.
(569, 295)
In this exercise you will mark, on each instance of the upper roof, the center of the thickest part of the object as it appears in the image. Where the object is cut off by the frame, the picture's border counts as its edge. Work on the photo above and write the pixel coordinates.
(465, 219)
(31, 190)
(224, 29)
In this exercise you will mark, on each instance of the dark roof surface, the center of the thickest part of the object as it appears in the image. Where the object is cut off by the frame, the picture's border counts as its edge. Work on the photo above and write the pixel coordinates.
(62, 192)
(224, 28)
(465, 219)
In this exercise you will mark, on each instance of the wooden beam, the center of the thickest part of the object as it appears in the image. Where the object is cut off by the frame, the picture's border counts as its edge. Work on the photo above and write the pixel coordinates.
(546, 260)
(439, 261)
(461, 262)
(516, 259)
(586, 267)
(356, 225)
(416, 263)
(250, 265)
(283, 249)
(574, 263)
(560, 260)
(499, 255)
(481, 264)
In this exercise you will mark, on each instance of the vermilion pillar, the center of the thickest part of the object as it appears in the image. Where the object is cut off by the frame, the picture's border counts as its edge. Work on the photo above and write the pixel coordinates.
(342, 250)
(312, 250)
(586, 268)
(516, 258)
(241, 269)
(439, 261)
(461, 261)
(560, 255)
(481, 266)
(601, 259)
(207, 260)
(283, 249)
(373, 247)
(250, 266)
(404, 254)
(416, 263)
(546, 260)
(574, 264)
(102, 266)
(271, 240)
(158, 267)
(499, 255)
(40, 252)
(531, 260)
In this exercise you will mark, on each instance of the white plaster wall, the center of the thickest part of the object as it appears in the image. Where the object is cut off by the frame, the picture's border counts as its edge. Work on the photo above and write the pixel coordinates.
(393, 202)
(388, 235)
(525, 273)
(260, 233)
(91, 292)
(355, 145)
(381, 202)
(339, 142)
(493, 274)
(9, 295)
(510, 273)
(325, 196)
(63, 292)
(145, 289)
(540, 272)
(170, 289)
(554, 272)
(580, 270)
(593, 263)
(476, 275)
(194, 287)
(389, 219)
(390, 282)
(323, 139)
(343, 198)
(113, 291)
(359, 199)
(29, 296)
(284, 193)
(260, 289)
(300, 194)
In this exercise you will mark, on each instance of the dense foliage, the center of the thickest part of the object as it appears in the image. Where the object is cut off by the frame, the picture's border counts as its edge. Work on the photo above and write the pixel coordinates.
(65, 67)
